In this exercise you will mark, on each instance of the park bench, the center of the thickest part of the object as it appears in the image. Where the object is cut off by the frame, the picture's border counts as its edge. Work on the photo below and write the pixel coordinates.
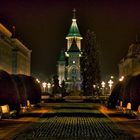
(6, 112)
(23, 109)
(124, 110)
(128, 110)
(26, 108)
(136, 114)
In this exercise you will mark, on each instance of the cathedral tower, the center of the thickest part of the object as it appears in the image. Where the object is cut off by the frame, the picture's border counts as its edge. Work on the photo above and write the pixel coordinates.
(74, 33)
(69, 66)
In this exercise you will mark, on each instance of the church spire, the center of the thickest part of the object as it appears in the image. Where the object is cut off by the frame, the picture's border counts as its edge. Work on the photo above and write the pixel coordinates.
(74, 13)
(62, 56)
(74, 31)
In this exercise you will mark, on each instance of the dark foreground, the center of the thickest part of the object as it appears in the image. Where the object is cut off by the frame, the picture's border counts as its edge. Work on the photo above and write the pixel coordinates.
(73, 121)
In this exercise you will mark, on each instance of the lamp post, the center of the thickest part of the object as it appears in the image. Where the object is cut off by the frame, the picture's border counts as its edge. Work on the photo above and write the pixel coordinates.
(94, 86)
(111, 77)
(48, 87)
(38, 80)
(103, 87)
(110, 82)
(121, 79)
(44, 84)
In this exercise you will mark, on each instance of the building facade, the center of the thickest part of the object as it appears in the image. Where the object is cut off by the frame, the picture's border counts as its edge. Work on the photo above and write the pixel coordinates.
(15, 57)
(69, 60)
(130, 64)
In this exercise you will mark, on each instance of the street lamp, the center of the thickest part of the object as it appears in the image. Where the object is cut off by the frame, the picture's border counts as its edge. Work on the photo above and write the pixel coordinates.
(110, 82)
(38, 80)
(94, 90)
(103, 86)
(48, 87)
(121, 79)
(111, 77)
(44, 84)
(94, 86)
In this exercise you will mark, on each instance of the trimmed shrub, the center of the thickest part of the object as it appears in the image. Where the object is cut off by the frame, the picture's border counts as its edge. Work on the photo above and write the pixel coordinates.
(9, 92)
(127, 91)
(21, 90)
(32, 88)
(132, 92)
(116, 95)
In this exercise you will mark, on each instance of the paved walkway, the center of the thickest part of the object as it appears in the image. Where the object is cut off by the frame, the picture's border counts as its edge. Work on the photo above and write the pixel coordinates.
(130, 125)
(74, 128)
(71, 122)
(9, 128)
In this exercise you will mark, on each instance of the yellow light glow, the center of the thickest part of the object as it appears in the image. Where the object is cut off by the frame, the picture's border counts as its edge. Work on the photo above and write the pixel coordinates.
(103, 84)
(38, 80)
(121, 79)
(121, 103)
(128, 106)
(5, 109)
(49, 85)
(44, 84)
(112, 77)
(28, 103)
(139, 109)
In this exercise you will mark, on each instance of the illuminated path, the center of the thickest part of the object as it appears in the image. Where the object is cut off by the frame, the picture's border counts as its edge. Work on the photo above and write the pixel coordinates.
(70, 122)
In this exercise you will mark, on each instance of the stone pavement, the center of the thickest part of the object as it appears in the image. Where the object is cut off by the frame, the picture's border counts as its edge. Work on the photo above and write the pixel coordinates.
(71, 122)
(9, 128)
(74, 128)
(126, 123)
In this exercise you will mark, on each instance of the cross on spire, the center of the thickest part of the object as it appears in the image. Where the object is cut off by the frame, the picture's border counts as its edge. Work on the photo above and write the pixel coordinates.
(74, 11)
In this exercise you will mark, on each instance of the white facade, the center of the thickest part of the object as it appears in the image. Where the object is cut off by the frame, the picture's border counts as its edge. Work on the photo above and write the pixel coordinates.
(15, 57)
(130, 65)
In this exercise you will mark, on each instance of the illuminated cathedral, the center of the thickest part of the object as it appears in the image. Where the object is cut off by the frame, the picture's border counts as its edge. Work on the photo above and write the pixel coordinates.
(69, 60)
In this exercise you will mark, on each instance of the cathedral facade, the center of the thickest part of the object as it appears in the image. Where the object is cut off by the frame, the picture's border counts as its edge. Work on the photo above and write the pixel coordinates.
(69, 60)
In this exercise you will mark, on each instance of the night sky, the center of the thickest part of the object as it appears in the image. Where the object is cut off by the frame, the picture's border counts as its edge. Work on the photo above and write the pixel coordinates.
(43, 26)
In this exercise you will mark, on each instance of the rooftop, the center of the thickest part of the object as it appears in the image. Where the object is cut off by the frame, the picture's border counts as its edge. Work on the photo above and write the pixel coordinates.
(5, 31)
